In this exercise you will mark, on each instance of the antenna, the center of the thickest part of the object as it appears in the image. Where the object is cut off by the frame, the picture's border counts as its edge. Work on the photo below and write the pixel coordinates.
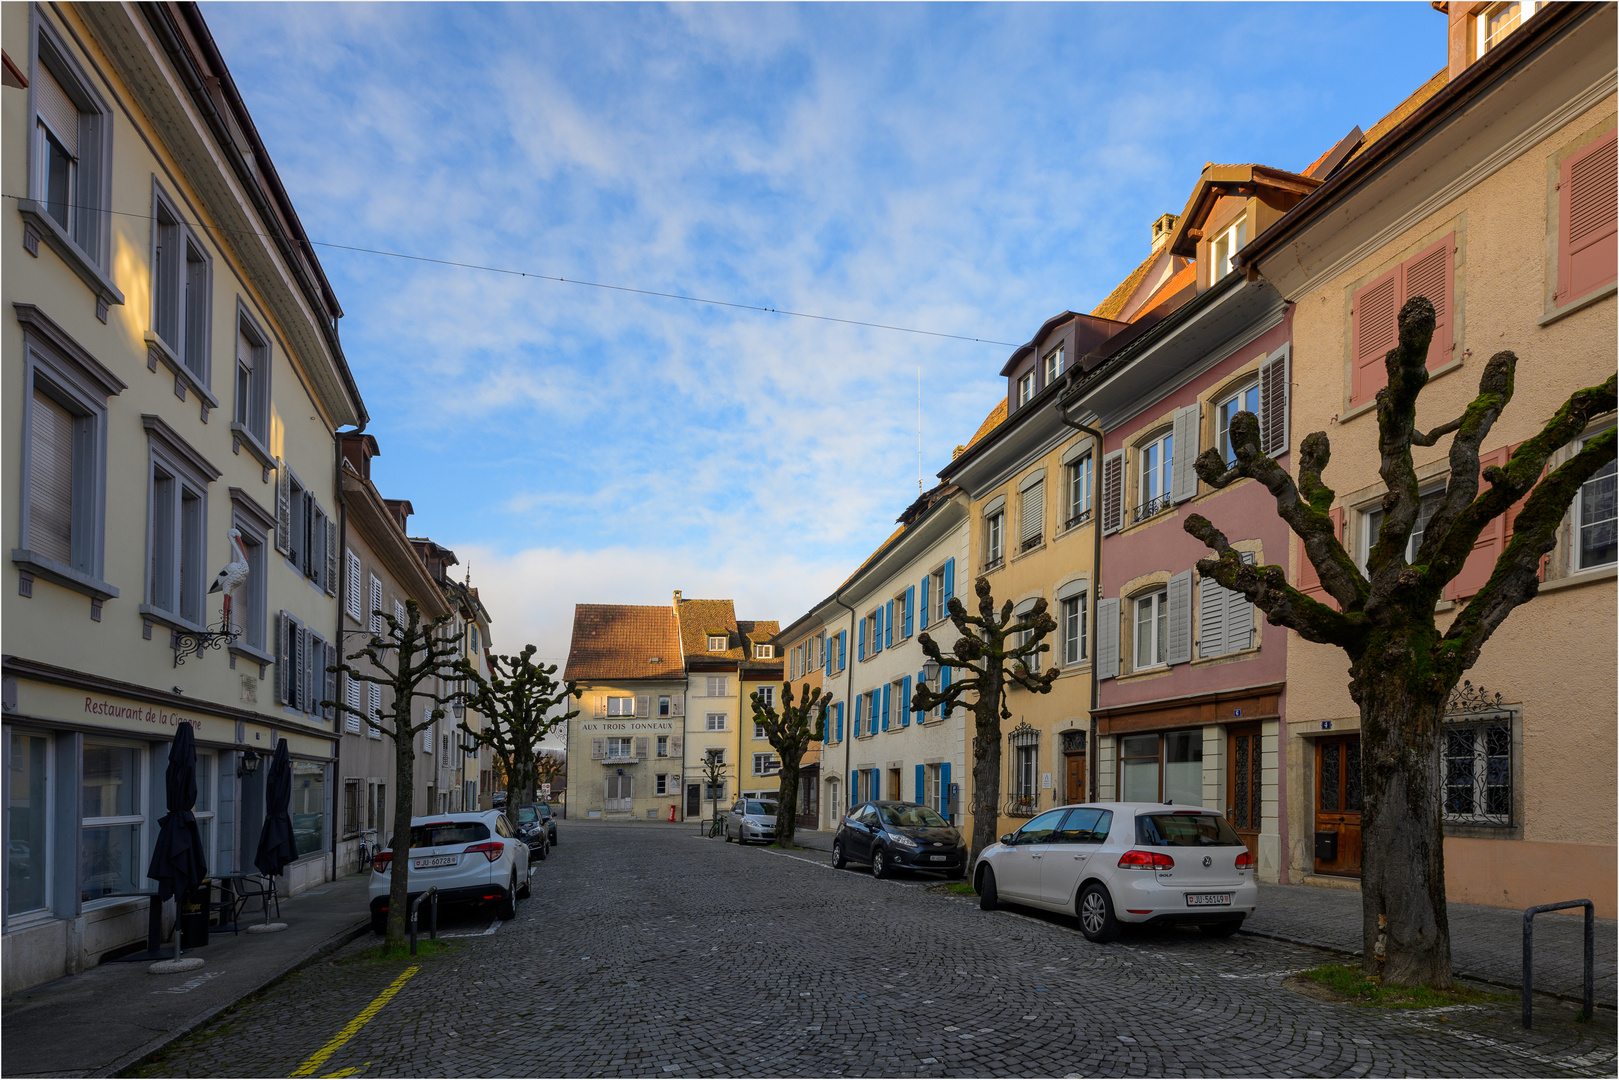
(919, 488)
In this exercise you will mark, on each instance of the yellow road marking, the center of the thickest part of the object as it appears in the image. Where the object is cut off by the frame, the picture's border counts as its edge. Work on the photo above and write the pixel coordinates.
(345, 1072)
(353, 1027)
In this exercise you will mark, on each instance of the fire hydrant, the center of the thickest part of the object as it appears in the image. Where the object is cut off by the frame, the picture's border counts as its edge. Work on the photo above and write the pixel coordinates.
(672, 807)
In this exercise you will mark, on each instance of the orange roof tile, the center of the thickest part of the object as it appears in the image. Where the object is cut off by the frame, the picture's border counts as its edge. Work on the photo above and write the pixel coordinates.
(1110, 307)
(624, 641)
(1182, 277)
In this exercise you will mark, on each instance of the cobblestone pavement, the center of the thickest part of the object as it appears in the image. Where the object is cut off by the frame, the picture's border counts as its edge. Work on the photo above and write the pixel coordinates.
(647, 951)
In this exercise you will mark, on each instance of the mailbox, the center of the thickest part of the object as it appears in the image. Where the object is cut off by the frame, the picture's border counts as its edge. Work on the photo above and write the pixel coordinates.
(1326, 846)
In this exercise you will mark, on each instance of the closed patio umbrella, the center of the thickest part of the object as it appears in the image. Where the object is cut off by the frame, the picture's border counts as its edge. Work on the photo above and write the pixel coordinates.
(177, 862)
(276, 848)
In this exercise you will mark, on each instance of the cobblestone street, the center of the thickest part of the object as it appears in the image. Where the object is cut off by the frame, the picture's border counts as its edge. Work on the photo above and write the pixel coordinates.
(646, 951)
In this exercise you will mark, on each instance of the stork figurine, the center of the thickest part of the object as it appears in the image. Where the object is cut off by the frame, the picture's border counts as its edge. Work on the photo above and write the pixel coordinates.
(234, 574)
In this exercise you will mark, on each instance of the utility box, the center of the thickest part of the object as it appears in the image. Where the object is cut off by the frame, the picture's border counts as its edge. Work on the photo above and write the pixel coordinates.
(1326, 846)
(952, 800)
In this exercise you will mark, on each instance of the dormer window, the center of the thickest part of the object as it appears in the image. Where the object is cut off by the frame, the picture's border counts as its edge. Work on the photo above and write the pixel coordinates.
(1025, 389)
(1499, 20)
(1226, 245)
(716, 642)
(1054, 365)
(764, 652)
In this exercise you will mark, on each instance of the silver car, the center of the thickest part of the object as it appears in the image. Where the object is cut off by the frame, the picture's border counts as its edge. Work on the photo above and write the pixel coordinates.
(751, 819)
(1112, 863)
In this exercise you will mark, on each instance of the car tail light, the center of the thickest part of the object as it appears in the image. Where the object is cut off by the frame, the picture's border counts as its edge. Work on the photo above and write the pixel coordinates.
(381, 860)
(1245, 861)
(491, 849)
(1145, 860)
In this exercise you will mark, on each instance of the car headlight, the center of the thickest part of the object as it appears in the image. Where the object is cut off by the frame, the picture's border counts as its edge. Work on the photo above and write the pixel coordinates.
(902, 840)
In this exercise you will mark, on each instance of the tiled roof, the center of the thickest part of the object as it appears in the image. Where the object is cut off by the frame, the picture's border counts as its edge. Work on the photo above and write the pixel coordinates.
(1182, 277)
(996, 415)
(699, 618)
(624, 641)
(1403, 110)
(1110, 307)
(760, 630)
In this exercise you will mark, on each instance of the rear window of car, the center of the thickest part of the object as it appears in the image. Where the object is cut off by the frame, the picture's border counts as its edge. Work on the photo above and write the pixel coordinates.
(446, 833)
(1185, 830)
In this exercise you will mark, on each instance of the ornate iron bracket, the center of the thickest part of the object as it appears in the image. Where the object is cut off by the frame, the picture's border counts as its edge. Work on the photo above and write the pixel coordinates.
(186, 641)
(1468, 698)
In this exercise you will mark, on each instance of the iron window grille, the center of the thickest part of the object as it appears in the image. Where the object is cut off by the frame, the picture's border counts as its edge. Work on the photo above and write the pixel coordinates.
(1476, 758)
(1152, 507)
(1025, 800)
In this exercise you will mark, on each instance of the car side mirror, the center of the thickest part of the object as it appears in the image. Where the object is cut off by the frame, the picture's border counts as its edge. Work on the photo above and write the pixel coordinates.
(1007, 839)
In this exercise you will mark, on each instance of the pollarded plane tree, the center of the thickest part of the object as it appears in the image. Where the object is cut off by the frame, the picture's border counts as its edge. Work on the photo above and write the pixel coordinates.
(1402, 666)
(993, 652)
(790, 733)
(415, 660)
(519, 700)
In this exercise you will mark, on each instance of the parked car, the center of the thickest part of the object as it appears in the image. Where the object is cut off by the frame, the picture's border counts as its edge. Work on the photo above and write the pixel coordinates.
(531, 829)
(1113, 863)
(898, 835)
(549, 816)
(473, 857)
(751, 819)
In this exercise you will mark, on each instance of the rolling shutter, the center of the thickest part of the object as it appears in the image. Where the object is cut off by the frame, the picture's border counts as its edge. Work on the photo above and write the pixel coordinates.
(1182, 476)
(1032, 514)
(923, 611)
(1586, 234)
(330, 573)
(283, 507)
(1273, 405)
(1179, 650)
(1107, 638)
(1113, 492)
(50, 468)
(1309, 582)
(57, 109)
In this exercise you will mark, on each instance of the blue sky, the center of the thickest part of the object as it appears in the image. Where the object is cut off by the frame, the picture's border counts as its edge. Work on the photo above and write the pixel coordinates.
(969, 170)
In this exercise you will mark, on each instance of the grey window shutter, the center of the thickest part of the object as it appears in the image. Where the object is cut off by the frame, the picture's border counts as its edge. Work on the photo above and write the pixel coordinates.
(330, 711)
(675, 742)
(331, 557)
(677, 705)
(1107, 638)
(1239, 616)
(306, 650)
(643, 705)
(1211, 618)
(1180, 619)
(283, 507)
(1113, 492)
(598, 748)
(283, 655)
(641, 747)
(1183, 477)
(1273, 405)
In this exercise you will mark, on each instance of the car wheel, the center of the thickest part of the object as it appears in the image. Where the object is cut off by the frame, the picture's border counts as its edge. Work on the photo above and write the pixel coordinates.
(988, 898)
(528, 884)
(838, 861)
(1096, 919)
(507, 906)
(727, 834)
(879, 864)
(545, 850)
(1222, 929)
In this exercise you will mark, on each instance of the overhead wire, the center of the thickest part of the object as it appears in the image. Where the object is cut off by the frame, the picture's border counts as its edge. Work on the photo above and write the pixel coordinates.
(212, 229)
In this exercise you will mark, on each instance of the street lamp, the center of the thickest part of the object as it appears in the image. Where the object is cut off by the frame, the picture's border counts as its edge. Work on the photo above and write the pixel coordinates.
(930, 672)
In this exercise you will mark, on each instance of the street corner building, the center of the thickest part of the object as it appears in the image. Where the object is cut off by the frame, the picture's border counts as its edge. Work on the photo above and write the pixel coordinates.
(175, 383)
(665, 703)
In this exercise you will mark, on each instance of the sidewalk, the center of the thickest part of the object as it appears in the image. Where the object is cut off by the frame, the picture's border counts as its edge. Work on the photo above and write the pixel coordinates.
(1486, 943)
(113, 1015)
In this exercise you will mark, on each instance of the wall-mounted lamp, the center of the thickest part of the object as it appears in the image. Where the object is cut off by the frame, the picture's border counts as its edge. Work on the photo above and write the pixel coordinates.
(248, 765)
(930, 672)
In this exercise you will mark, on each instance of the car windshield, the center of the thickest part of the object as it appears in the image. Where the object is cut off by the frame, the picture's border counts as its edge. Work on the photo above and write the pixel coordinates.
(526, 814)
(912, 817)
(445, 833)
(1185, 830)
(758, 806)
(545, 810)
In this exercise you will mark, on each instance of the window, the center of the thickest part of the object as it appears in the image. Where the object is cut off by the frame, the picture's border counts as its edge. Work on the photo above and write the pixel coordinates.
(663, 705)
(620, 706)
(251, 411)
(203, 810)
(714, 721)
(1157, 462)
(994, 539)
(1167, 768)
(1374, 522)
(1032, 515)
(661, 784)
(1079, 492)
(112, 813)
(663, 746)
(1594, 519)
(1478, 772)
(941, 598)
(28, 788)
(1053, 365)
(1031, 661)
(932, 790)
(250, 605)
(1183, 767)
(177, 484)
(764, 652)
(1226, 245)
(766, 765)
(719, 686)
(1374, 315)
(70, 148)
(1026, 782)
(1499, 20)
(1074, 616)
(717, 642)
(1244, 400)
(181, 277)
(1138, 768)
(1025, 389)
(351, 808)
(620, 748)
(767, 694)
(376, 806)
(1152, 630)
(758, 731)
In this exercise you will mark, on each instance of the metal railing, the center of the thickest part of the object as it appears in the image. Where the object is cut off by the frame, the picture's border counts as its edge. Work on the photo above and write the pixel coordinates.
(1151, 508)
(415, 906)
(1529, 914)
(1077, 520)
(1032, 542)
(1022, 805)
(993, 564)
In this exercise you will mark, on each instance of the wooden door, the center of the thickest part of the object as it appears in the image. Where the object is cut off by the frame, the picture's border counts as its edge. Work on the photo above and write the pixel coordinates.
(1337, 805)
(1075, 790)
(1244, 801)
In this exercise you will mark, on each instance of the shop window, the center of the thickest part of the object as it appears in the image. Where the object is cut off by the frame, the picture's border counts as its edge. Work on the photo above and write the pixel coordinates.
(308, 806)
(207, 797)
(1138, 768)
(112, 815)
(28, 788)
(1183, 767)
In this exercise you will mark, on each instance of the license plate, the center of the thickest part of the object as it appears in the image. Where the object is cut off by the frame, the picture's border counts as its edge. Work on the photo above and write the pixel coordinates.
(1208, 899)
(449, 860)
(938, 858)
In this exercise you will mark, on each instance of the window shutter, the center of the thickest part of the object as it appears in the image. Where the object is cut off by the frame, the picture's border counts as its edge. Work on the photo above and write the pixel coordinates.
(854, 788)
(1113, 492)
(331, 557)
(283, 654)
(306, 650)
(860, 632)
(888, 625)
(910, 610)
(641, 747)
(330, 711)
(1107, 638)
(354, 600)
(944, 682)
(886, 688)
(1273, 405)
(924, 610)
(1211, 636)
(283, 507)
(352, 698)
(840, 721)
(1586, 232)
(57, 109)
(374, 709)
(643, 707)
(1487, 548)
(921, 783)
(1180, 619)
(1239, 615)
(1374, 330)
(921, 680)
(1309, 582)
(1032, 513)
(677, 705)
(50, 494)
(598, 705)
(902, 707)
(375, 613)
(944, 788)
(598, 748)
(829, 646)
(1517, 508)
(949, 583)
(427, 739)
(1182, 477)
(1431, 273)
(675, 742)
(843, 648)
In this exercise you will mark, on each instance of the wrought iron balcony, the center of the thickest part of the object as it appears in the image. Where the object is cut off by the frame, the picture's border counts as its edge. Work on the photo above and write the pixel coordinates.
(994, 564)
(1022, 806)
(1152, 508)
(1077, 520)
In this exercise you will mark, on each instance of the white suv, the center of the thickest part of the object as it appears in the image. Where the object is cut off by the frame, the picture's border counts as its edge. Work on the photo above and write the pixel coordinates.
(472, 857)
(1124, 862)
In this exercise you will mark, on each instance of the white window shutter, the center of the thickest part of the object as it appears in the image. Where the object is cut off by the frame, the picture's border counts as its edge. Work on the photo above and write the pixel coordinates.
(1239, 616)
(1273, 405)
(1107, 638)
(1113, 492)
(400, 618)
(598, 748)
(675, 742)
(283, 657)
(677, 705)
(598, 705)
(1183, 477)
(1180, 619)
(331, 557)
(427, 738)
(354, 600)
(377, 623)
(1211, 620)
(643, 705)
(374, 708)
(641, 747)
(283, 507)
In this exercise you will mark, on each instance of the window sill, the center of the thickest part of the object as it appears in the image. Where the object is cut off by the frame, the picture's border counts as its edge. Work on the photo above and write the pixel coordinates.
(1035, 550)
(43, 566)
(244, 437)
(258, 656)
(170, 620)
(1601, 293)
(42, 223)
(1582, 577)
(158, 349)
(1235, 654)
(1367, 406)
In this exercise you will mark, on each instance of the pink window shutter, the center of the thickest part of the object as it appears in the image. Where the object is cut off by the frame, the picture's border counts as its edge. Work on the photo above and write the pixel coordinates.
(1487, 548)
(1431, 272)
(1588, 226)
(1374, 330)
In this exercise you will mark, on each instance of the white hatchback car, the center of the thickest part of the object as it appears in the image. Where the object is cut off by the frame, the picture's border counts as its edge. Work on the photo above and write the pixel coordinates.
(1124, 862)
(471, 857)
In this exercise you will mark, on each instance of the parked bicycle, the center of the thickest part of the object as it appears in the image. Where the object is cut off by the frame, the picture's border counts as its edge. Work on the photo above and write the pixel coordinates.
(717, 827)
(368, 849)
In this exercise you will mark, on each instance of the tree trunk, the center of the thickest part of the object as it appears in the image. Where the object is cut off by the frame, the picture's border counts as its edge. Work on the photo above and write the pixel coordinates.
(404, 808)
(987, 761)
(787, 805)
(1405, 926)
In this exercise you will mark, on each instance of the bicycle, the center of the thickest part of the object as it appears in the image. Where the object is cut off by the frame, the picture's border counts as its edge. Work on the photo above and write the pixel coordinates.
(368, 843)
(718, 826)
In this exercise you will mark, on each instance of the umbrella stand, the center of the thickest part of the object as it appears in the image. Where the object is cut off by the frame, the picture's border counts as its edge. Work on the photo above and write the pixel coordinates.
(177, 863)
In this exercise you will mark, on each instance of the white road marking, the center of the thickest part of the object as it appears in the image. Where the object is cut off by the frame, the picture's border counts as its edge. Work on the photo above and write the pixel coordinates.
(494, 926)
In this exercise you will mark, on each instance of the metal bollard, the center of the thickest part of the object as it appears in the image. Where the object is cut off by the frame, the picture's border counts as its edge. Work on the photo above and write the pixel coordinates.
(415, 909)
(1589, 1009)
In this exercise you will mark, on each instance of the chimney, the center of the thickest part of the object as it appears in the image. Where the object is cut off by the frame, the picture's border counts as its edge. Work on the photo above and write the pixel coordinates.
(1162, 230)
(677, 597)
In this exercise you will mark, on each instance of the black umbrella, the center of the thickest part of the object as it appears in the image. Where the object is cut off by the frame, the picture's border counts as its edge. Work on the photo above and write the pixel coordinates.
(276, 848)
(177, 862)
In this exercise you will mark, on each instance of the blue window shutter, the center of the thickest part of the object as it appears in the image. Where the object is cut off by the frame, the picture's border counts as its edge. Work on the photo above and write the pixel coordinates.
(861, 639)
(949, 580)
(828, 648)
(888, 625)
(921, 678)
(877, 630)
(843, 644)
(854, 788)
(921, 783)
(944, 787)
(944, 681)
(910, 607)
(859, 712)
(840, 721)
(876, 784)
(886, 687)
(927, 580)
(903, 708)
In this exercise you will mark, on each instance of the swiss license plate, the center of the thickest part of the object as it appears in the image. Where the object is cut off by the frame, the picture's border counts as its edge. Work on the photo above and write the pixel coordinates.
(938, 858)
(1208, 899)
(449, 860)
